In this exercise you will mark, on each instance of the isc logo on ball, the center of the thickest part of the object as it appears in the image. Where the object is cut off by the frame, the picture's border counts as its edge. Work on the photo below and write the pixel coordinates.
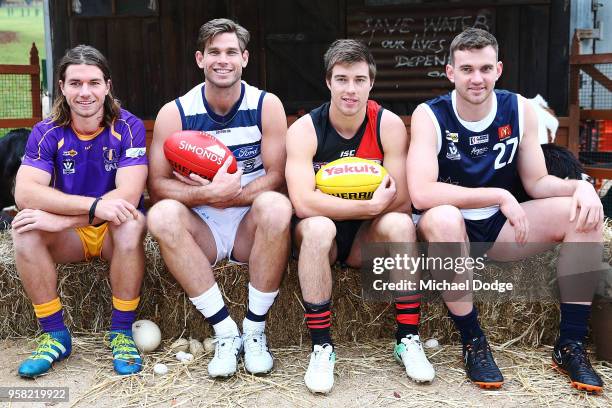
(213, 153)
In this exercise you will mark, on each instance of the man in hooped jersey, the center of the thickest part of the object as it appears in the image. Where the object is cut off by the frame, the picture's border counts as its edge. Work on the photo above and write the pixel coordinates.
(235, 216)
(328, 228)
(79, 190)
(468, 149)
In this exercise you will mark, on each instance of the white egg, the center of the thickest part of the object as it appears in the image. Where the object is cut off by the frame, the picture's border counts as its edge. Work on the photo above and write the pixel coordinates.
(180, 356)
(432, 343)
(180, 345)
(147, 335)
(209, 344)
(160, 369)
(195, 347)
(187, 358)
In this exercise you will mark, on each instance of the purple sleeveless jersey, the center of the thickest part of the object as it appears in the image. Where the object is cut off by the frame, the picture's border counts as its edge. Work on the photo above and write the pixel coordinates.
(86, 165)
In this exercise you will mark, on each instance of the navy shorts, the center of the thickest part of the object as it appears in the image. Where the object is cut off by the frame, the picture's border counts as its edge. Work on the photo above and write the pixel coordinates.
(484, 232)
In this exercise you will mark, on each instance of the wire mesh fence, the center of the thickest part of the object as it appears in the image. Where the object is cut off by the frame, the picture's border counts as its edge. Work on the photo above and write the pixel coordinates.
(16, 96)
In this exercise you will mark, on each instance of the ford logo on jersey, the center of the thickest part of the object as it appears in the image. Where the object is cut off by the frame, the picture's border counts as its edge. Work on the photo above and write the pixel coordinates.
(246, 152)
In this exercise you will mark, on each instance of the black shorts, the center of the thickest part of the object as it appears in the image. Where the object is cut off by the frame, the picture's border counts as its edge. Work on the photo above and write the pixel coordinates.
(346, 231)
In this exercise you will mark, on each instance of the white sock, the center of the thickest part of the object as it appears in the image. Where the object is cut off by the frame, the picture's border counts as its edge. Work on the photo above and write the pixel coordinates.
(210, 303)
(259, 304)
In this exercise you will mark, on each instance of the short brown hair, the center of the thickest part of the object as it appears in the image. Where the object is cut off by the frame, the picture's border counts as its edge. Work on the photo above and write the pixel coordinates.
(472, 38)
(349, 52)
(88, 55)
(220, 26)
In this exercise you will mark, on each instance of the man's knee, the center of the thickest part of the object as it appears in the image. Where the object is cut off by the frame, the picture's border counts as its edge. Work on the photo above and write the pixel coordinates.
(272, 211)
(394, 227)
(27, 243)
(443, 224)
(128, 235)
(317, 233)
(165, 219)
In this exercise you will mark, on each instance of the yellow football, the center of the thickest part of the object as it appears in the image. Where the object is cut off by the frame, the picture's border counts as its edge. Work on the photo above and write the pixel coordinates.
(352, 178)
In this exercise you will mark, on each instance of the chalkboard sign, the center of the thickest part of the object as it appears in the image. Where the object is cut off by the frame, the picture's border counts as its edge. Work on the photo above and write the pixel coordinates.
(411, 47)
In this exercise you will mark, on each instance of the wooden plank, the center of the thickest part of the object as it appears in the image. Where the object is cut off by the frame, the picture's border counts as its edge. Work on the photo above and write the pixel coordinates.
(133, 58)
(598, 172)
(591, 59)
(507, 19)
(152, 67)
(574, 73)
(173, 54)
(17, 123)
(598, 76)
(19, 69)
(533, 50)
(35, 83)
(58, 17)
(96, 31)
(558, 57)
(573, 138)
(117, 58)
(601, 114)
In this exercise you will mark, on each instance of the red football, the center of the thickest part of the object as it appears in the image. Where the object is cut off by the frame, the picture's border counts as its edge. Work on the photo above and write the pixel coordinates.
(191, 151)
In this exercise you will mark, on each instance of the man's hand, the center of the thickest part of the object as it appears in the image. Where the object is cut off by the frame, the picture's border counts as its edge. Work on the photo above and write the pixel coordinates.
(29, 220)
(115, 210)
(516, 216)
(384, 195)
(224, 186)
(591, 210)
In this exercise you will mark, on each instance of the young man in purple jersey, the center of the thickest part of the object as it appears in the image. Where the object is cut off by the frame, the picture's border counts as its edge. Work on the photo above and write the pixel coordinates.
(468, 149)
(79, 190)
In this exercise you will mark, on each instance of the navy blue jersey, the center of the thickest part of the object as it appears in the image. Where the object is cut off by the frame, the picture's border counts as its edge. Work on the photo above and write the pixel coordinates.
(478, 154)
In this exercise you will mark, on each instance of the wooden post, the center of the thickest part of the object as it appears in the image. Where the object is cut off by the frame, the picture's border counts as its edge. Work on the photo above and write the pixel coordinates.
(35, 83)
(574, 76)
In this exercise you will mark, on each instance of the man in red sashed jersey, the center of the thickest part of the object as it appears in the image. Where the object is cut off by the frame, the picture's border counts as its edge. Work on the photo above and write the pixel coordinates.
(332, 229)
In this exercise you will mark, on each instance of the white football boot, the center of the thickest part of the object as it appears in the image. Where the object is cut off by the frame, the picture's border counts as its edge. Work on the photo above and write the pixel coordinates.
(410, 353)
(257, 356)
(320, 373)
(225, 361)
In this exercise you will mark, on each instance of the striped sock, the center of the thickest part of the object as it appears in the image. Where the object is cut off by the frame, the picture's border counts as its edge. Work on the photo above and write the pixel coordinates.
(259, 304)
(124, 313)
(211, 305)
(50, 316)
(318, 320)
(407, 314)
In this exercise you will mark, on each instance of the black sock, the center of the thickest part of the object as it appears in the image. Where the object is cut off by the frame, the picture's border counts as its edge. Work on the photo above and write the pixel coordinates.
(318, 320)
(574, 322)
(468, 325)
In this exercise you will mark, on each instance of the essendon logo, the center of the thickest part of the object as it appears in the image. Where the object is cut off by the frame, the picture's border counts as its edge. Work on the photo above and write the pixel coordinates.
(213, 153)
(349, 169)
(504, 132)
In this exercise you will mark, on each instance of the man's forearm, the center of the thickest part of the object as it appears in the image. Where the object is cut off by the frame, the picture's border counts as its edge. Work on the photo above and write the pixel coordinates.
(191, 196)
(38, 197)
(551, 186)
(272, 181)
(437, 193)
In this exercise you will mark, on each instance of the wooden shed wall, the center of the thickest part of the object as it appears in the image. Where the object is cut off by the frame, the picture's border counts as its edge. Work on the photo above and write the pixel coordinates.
(152, 57)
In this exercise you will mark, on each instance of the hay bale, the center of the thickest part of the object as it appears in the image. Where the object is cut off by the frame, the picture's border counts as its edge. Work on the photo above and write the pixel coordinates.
(85, 293)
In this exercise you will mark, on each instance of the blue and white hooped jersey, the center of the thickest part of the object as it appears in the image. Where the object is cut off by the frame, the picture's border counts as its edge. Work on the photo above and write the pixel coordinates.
(239, 130)
(478, 154)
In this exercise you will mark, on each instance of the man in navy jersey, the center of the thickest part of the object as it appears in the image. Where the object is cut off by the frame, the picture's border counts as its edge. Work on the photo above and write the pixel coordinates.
(468, 149)
(79, 190)
(329, 228)
(237, 216)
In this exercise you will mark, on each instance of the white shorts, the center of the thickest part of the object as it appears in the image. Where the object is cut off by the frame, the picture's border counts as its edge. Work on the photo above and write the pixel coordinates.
(223, 224)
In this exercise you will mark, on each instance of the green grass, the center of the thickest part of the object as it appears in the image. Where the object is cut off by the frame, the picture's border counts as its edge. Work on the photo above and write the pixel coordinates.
(29, 29)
